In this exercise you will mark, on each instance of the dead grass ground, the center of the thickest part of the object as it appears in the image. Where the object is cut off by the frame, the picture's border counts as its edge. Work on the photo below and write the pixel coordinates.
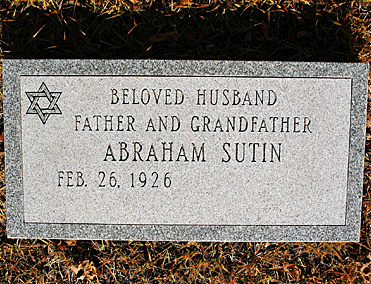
(237, 30)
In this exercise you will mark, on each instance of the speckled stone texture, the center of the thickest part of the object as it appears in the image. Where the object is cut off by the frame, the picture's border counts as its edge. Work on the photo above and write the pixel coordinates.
(200, 151)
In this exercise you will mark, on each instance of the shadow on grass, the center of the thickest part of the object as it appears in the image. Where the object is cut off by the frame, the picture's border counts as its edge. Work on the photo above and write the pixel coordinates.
(304, 33)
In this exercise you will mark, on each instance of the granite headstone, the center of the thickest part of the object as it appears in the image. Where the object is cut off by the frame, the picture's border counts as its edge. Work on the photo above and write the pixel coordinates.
(184, 150)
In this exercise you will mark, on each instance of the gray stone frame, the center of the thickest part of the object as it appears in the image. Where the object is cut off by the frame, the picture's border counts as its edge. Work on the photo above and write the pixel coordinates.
(17, 228)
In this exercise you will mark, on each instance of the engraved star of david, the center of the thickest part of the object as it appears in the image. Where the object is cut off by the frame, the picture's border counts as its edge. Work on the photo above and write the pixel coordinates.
(52, 97)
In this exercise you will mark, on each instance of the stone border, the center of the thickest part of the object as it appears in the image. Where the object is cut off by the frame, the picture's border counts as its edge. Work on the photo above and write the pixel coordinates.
(16, 228)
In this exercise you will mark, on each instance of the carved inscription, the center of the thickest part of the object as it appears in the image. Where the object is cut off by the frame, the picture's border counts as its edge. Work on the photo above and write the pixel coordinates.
(184, 152)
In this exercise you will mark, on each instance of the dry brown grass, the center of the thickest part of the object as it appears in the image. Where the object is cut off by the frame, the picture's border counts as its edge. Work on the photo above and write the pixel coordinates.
(246, 30)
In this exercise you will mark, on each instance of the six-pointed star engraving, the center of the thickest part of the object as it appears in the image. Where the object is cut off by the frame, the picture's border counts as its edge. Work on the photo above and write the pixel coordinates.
(43, 113)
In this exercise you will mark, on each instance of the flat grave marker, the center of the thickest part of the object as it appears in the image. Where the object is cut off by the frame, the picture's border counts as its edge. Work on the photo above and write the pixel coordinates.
(184, 150)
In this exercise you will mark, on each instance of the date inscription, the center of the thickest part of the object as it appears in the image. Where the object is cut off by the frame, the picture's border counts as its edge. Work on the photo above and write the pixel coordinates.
(112, 179)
